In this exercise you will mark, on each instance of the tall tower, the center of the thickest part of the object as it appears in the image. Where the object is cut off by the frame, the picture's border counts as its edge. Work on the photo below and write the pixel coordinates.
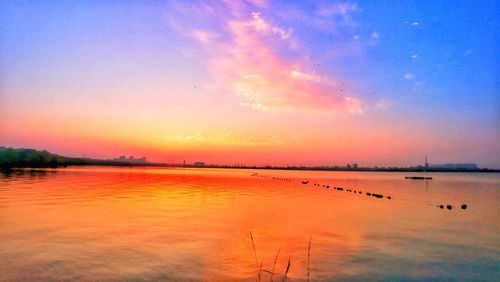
(426, 165)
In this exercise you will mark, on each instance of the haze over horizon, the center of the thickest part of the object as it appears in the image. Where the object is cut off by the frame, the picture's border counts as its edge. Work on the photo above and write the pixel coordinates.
(255, 82)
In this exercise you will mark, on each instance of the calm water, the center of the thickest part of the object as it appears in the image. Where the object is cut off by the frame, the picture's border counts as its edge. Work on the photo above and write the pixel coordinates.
(102, 223)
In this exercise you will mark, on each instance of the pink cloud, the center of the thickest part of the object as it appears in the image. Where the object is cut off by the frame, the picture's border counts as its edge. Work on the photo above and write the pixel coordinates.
(249, 61)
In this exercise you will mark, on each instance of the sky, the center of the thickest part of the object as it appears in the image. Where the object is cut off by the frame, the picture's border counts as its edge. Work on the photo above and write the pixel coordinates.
(378, 83)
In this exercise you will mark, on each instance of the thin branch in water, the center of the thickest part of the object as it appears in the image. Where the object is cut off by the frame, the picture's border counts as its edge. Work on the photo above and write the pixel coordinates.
(275, 260)
(287, 269)
(260, 268)
(254, 251)
(255, 255)
(309, 259)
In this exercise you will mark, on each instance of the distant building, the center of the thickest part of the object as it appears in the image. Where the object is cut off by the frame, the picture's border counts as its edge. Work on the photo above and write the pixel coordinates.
(131, 159)
(470, 166)
(199, 164)
(352, 166)
(142, 160)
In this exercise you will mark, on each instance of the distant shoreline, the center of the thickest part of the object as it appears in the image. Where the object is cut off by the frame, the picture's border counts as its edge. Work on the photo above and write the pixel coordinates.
(11, 158)
(162, 165)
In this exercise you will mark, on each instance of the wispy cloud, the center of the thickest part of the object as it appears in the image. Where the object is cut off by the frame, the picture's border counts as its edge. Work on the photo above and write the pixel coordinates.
(467, 53)
(248, 56)
(413, 23)
(409, 76)
(374, 38)
(227, 137)
(342, 9)
(205, 37)
(384, 104)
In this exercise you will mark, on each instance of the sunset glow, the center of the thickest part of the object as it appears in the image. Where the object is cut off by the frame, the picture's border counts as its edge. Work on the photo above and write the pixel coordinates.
(253, 82)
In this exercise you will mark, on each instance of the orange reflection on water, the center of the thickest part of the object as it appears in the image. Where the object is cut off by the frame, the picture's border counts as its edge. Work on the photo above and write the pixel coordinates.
(195, 224)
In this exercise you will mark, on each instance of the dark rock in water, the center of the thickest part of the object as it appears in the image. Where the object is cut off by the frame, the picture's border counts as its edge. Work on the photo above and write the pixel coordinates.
(368, 194)
(464, 206)
(377, 195)
(340, 189)
(441, 206)
(327, 186)
(389, 197)
(360, 192)
(449, 207)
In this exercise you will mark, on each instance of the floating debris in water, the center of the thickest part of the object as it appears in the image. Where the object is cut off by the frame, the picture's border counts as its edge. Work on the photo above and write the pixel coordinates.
(418, 177)
(379, 196)
(450, 207)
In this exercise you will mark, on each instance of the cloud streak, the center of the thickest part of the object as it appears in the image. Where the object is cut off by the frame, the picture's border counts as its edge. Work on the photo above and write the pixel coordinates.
(248, 56)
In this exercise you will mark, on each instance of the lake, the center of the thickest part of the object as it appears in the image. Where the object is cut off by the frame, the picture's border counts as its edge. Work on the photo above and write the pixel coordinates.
(137, 223)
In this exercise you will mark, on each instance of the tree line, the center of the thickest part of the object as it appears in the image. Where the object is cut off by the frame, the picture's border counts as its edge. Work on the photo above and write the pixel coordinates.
(10, 157)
